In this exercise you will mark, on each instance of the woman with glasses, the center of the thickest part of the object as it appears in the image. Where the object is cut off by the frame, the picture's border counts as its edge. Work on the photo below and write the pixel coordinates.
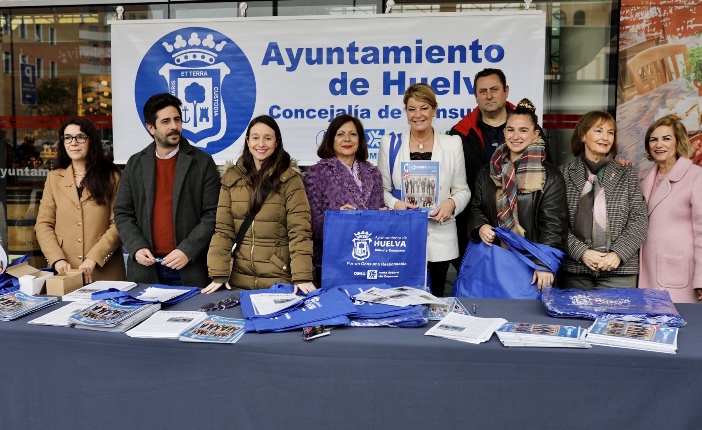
(75, 225)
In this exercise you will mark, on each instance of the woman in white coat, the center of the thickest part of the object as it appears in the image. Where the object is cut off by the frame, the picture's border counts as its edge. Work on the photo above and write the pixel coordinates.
(419, 143)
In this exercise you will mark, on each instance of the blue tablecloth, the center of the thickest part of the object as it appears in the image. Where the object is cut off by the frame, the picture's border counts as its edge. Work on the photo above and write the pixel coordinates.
(356, 378)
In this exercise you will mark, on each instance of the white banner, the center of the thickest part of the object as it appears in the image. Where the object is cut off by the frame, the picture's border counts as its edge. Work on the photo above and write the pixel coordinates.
(303, 71)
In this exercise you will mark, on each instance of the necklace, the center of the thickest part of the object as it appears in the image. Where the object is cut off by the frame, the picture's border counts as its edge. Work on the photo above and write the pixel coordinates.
(421, 142)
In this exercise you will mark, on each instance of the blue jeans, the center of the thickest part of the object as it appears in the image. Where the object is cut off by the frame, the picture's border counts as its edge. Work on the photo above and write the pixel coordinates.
(168, 276)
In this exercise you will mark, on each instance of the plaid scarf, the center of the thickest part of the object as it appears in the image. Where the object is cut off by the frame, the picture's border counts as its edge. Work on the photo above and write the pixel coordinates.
(525, 175)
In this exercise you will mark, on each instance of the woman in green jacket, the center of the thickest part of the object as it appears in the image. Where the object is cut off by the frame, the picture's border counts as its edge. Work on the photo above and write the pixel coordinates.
(277, 247)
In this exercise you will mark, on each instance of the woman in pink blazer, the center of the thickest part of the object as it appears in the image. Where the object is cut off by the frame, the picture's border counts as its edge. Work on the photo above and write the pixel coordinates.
(671, 256)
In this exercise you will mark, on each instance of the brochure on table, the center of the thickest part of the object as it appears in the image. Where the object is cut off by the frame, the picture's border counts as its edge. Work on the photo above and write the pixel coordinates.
(167, 324)
(60, 316)
(398, 296)
(542, 335)
(451, 304)
(85, 293)
(631, 335)
(215, 329)
(466, 328)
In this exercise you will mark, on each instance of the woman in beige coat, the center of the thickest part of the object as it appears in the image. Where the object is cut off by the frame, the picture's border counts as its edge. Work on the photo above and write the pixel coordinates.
(278, 244)
(75, 225)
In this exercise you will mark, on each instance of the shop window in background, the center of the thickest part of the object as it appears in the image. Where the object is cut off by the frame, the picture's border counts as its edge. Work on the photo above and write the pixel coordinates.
(34, 102)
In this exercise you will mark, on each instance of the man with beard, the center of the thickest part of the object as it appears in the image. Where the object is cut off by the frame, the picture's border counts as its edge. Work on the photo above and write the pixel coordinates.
(167, 201)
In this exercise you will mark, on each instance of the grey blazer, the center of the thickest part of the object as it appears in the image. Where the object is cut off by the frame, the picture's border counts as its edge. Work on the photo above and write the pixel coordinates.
(195, 195)
(627, 216)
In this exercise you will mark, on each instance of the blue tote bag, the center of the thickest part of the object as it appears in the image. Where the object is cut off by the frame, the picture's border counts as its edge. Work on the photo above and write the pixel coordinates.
(495, 272)
(371, 247)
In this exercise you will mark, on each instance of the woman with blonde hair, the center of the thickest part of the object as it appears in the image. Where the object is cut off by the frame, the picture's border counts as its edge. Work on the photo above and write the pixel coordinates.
(421, 142)
(671, 256)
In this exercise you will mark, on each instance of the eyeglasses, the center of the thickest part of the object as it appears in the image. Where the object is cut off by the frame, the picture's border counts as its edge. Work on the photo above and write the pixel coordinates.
(80, 139)
(231, 302)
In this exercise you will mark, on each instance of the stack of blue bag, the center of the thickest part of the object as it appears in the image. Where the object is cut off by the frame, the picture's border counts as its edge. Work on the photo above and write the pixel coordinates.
(320, 307)
(640, 305)
(330, 306)
(378, 314)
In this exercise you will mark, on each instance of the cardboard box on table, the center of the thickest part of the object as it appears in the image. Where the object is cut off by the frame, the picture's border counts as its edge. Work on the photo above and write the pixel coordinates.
(31, 279)
(60, 285)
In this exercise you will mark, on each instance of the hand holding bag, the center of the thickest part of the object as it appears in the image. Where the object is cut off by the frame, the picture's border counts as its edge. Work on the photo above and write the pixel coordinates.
(495, 272)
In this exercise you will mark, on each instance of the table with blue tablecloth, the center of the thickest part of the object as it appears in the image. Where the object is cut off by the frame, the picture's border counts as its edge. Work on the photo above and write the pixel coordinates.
(356, 378)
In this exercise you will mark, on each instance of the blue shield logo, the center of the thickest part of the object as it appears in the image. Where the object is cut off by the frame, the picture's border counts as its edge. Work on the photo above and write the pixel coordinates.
(213, 78)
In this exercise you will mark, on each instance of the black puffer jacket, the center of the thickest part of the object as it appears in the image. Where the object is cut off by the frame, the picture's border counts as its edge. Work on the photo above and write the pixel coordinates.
(542, 214)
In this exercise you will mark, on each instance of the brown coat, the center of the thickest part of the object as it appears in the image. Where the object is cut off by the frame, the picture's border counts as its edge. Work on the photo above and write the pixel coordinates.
(277, 247)
(72, 229)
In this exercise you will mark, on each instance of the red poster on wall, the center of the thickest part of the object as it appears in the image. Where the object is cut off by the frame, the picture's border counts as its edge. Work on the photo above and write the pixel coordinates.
(660, 72)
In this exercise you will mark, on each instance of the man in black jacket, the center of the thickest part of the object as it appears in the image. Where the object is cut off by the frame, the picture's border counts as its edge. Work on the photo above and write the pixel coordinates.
(482, 131)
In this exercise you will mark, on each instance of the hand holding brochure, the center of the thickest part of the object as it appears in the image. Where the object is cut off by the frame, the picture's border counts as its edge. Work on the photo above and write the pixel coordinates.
(466, 328)
(420, 184)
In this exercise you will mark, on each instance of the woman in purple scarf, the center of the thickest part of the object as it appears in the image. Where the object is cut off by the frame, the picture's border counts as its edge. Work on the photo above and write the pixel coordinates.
(342, 179)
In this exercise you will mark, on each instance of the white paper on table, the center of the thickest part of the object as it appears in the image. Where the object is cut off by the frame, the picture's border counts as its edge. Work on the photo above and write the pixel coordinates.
(265, 304)
(167, 324)
(160, 294)
(466, 328)
(398, 296)
(60, 316)
(84, 294)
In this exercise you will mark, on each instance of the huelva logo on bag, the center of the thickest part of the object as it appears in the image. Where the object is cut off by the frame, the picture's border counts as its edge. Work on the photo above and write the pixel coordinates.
(361, 245)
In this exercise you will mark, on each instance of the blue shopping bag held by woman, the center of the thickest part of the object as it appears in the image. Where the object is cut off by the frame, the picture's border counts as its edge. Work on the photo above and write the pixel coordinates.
(370, 247)
(496, 272)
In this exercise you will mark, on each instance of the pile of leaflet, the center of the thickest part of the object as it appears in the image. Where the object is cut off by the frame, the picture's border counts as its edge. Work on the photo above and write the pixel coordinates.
(167, 324)
(630, 335)
(378, 314)
(16, 304)
(542, 335)
(108, 315)
(641, 305)
(277, 309)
